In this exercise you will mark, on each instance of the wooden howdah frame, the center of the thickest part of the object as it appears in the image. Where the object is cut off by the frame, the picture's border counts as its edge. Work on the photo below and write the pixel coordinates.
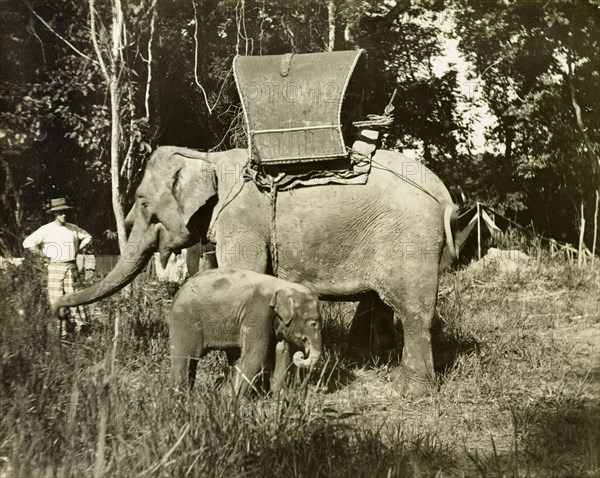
(298, 106)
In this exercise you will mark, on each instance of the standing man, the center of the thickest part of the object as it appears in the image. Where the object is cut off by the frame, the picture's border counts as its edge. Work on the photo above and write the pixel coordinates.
(60, 242)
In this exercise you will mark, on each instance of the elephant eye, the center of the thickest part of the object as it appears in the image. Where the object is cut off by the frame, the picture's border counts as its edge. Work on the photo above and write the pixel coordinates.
(146, 211)
(313, 324)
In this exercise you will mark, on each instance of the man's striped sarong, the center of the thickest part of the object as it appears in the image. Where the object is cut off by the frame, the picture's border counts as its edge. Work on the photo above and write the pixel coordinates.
(64, 278)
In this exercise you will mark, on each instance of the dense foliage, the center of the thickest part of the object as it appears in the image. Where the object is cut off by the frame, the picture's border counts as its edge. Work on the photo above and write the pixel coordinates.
(532, 63)
(537, 62)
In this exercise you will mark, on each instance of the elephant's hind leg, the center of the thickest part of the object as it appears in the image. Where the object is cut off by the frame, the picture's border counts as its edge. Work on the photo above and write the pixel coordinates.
(415, 302)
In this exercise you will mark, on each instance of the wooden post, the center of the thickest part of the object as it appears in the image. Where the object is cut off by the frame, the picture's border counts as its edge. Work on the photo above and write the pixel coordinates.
(580, 256)
(478, 231)
(595, 228)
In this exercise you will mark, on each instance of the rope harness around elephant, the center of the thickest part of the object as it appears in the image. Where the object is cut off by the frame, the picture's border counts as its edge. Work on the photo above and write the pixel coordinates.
(272, 184)
(273, 229)
(273, 191)
(401, 177)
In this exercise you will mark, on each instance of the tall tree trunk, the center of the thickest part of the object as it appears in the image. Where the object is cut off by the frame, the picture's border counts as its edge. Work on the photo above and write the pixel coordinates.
(331, 21)
(580, 248)
(115, 139)
(112, 79)
(115, 108)
(595, 229)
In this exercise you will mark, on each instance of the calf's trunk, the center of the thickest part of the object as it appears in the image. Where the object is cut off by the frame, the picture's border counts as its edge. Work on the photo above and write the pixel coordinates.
(314, 347)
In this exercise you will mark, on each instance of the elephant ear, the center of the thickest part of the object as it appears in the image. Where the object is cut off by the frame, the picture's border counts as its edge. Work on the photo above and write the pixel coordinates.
(283, 304)
(194, 183)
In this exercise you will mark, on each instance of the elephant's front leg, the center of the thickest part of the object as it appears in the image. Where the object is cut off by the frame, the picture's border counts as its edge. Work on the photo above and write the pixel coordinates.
(185, 341)
(254, 357)
(183, 368)
(283, 360)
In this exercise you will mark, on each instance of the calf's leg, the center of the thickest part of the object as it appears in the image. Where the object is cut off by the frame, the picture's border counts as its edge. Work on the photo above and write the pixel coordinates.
(186, 348)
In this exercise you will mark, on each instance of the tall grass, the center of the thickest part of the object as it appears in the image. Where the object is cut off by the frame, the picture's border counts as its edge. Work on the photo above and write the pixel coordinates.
(515, 397)
(89, 409)
(535, 365)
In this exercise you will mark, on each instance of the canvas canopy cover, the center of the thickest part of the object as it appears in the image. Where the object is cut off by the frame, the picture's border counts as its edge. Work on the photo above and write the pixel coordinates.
(298, 106)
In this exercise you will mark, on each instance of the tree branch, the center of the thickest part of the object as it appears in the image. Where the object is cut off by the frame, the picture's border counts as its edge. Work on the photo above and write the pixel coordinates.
(94, 36)
(117, 33)
(206, 102)
(31, 29)
(149, 61)
(579, 118)
(67, 42)
(240, 22)
(196, 59)
(262, 30)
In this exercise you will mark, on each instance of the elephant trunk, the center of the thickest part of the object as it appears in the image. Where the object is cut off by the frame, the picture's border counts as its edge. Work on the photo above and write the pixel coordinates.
(134, 258)
(314, 353)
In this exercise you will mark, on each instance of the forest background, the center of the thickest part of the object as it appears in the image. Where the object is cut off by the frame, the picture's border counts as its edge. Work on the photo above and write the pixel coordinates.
(89, 88)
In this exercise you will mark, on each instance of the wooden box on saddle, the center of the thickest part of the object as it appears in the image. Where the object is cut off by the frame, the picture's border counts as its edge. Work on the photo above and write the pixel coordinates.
(299, 108)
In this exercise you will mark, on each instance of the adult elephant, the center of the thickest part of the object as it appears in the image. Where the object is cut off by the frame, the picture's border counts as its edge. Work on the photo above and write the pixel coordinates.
(383, 239)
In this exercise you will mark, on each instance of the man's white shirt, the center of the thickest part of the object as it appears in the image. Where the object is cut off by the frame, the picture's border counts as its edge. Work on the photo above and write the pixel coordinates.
(60, 243)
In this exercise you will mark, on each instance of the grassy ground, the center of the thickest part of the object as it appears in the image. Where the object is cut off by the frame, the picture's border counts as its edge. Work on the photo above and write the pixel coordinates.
(519, 391)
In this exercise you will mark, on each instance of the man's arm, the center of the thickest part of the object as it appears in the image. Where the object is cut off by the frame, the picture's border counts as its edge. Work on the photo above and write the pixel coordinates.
(34, 240)
(84, 237)
(85, 241)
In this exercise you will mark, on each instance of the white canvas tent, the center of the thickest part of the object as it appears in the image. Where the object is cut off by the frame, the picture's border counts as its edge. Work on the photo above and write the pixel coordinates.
(479, 217)
(481, 222)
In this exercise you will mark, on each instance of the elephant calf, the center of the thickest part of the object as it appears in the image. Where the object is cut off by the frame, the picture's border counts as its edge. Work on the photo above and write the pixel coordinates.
(231, 309)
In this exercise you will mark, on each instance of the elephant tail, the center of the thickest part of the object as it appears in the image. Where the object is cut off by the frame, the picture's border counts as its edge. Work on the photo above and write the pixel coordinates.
(450, 221)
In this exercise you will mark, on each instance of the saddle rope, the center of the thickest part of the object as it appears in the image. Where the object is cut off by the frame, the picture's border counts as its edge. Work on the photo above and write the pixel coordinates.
(273, 241)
